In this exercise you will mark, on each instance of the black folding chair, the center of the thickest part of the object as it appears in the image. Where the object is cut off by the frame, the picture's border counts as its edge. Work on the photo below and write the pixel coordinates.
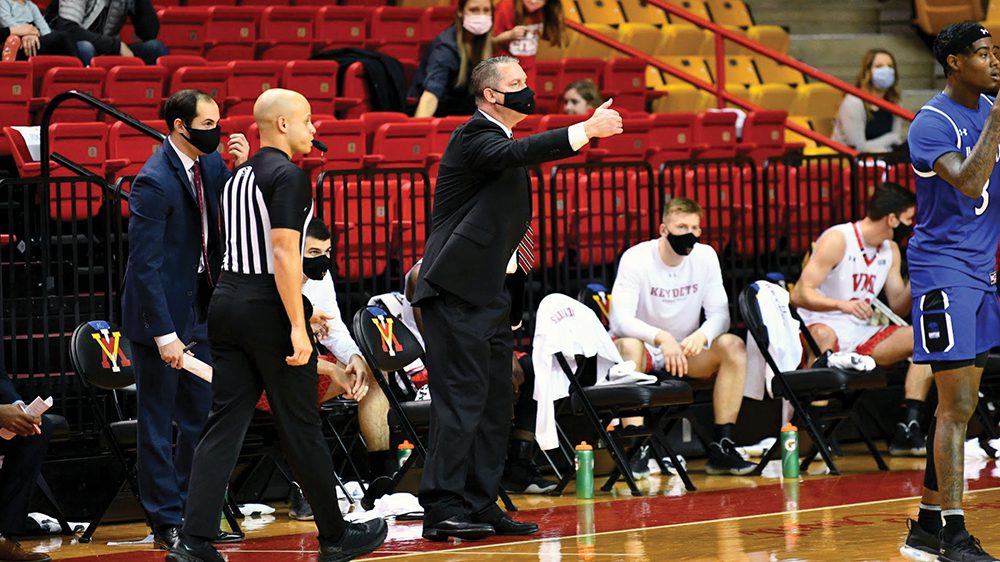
(802, 387)
(391, 357)
(101, 358)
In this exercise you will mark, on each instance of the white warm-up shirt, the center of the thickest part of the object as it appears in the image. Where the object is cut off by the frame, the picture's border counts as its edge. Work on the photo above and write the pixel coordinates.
(650, 296)
(323, 296)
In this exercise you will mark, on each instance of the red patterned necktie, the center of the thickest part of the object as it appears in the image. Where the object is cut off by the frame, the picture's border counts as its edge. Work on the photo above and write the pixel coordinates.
(202, 216)
(525, 251)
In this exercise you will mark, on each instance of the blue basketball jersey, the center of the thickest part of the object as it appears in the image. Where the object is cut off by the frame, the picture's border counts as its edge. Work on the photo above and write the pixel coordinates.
(955, 239)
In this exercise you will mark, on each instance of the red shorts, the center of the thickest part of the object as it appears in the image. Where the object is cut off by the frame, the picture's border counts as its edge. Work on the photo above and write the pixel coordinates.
(864, 349)
(323, 386)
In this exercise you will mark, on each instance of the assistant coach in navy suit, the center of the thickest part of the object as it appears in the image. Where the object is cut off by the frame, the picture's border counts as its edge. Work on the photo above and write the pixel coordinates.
(175, 255)
(481, 214)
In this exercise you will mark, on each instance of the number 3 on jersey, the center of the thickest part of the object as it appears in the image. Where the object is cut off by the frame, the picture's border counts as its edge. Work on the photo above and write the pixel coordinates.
(986, 198)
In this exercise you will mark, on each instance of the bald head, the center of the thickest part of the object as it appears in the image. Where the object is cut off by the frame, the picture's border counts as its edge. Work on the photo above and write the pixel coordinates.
(284, 120)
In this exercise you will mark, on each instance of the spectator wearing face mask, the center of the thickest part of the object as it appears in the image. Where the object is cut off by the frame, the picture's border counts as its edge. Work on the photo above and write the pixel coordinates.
(865, 127)
(518, 26)
(441, 83)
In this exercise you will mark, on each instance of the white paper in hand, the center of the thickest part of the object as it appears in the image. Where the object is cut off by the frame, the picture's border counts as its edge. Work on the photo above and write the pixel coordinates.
(198, 368)
(36, 408)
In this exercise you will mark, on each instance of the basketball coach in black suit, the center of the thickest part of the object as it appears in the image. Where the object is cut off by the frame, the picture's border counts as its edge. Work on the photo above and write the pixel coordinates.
(481, 214)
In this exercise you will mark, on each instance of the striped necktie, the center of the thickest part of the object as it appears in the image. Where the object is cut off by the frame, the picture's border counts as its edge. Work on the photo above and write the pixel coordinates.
(525, 251)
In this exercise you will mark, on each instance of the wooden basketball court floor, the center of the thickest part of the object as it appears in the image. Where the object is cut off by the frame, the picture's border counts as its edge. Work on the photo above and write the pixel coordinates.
(859, 515)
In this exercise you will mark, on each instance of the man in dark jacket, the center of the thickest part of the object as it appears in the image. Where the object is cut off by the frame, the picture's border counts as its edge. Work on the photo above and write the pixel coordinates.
(96, 26)
(481, 218)
(174, 259)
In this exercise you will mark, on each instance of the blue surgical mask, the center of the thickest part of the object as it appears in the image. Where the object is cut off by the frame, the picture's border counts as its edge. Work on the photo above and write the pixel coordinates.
(884, 77)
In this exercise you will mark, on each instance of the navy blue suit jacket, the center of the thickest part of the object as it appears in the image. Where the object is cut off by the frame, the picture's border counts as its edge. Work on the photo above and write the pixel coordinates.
(164, 232)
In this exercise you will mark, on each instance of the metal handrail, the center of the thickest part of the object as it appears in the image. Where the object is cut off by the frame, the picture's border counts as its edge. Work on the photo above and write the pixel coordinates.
(96, 104)
(723, 33)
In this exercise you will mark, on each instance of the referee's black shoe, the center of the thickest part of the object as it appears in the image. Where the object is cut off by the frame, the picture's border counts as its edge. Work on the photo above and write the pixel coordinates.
(187, 552)
(358, 539)
(504, 525)
(461, 527)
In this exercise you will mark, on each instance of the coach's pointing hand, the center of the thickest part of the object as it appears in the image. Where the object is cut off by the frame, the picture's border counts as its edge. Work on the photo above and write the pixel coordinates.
(605, 122)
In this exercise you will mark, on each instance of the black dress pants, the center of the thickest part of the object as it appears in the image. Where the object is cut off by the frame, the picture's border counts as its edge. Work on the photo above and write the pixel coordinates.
(469, 371)
(250, 335)
(22, 462)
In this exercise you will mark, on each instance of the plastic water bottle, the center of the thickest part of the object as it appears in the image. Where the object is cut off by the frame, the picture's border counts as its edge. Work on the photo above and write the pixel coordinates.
(403, 452)
(790, 451)
(584, 471)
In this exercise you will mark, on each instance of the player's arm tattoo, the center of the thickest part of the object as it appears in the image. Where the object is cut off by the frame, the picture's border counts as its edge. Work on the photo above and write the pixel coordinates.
(969, 175)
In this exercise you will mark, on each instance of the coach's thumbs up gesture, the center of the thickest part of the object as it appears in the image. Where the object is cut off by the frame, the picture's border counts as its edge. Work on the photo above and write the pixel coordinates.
(605, 122)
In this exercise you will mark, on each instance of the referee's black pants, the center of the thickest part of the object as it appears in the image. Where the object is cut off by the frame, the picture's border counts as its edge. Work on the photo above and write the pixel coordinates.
(469, 371)
(250, 334)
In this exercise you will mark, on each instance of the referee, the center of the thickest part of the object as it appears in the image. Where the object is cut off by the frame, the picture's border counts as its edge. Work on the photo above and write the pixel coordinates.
(258, 331)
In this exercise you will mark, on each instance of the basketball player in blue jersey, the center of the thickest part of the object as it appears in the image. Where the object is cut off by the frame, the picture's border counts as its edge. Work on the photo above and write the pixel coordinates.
(956, 315)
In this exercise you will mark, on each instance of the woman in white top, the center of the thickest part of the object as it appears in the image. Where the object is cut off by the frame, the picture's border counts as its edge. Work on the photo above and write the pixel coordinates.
(865, 127)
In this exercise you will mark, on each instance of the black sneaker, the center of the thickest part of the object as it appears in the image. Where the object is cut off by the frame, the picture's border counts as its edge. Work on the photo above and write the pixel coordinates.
(522, 477)
(359, 539)
(920, 546)
(964, 549)
(724, 459)
(908, 441)
(639, 465)
(298, 508)
(669, 465)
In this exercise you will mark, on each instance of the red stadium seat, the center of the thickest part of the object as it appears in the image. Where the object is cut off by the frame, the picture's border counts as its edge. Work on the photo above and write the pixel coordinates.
(715, 133)
(528, 126)
(212, 80)
(60, 79)
(548, 86)
(342, 26)
(402, 145)
(605, 216)
(361, 211)
(435, 20)
(550, 235)
(15, 98)
(813, 196)
(182, 30)
(174, 62)
(317, 81)
(764, 135)
(396, 32)
(136, 90)
(107, 62)
(372, 120)
(625, 81)
(346, 142)
(231, 32)
(441, 130)
(286, 33)
(671, 138)
(41, 64)
(248, 80)
(413, 205)
(355, 88)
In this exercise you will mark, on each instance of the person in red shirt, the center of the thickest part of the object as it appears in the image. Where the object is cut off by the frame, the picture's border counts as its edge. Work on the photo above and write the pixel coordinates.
(518, 26)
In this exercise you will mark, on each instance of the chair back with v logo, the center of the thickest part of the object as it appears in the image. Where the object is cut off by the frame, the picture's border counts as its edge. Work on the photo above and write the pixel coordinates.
(384, 340)
(597, 297)
(101, 356)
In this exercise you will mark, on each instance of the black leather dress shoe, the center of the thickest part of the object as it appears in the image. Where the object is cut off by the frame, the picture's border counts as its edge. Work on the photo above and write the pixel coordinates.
(166, 538)
(507, 526)
(187, 553)
(460, 527)
(228, 537)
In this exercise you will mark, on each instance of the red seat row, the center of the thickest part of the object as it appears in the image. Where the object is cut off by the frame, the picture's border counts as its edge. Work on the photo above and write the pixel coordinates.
(286, 32)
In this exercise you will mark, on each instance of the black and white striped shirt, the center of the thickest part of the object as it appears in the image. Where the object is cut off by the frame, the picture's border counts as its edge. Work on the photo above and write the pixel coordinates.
(266, 192)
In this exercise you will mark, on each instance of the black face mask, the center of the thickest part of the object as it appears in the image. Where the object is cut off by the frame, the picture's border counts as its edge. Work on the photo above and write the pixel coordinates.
(521, 101)
(205, 140)
(902, 232)
(682, 243)
(316, 267)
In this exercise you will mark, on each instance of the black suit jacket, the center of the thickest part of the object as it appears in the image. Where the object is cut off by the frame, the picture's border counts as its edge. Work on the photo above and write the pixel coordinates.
(482, 206)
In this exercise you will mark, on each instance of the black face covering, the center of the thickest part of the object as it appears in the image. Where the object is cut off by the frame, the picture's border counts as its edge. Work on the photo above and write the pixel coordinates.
(205, 140)
(682, 243)
(521, 101)
(316, 267)
(902, 232)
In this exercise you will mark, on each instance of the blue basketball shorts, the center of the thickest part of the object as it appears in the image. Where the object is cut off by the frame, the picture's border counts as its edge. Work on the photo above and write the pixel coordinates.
(955, 324)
